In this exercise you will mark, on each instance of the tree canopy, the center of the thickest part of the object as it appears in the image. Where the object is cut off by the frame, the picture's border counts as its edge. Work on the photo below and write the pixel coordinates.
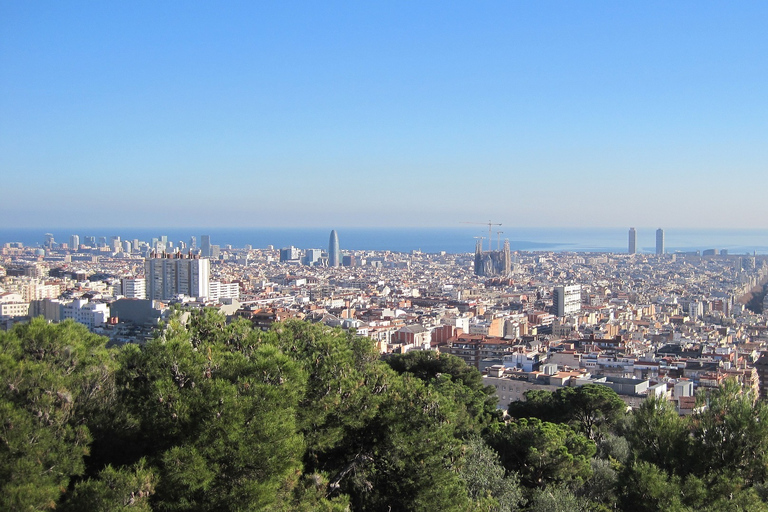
(215, 415)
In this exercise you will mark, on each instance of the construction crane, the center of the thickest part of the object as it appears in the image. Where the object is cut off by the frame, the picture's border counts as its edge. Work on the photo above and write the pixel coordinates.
(490, 230)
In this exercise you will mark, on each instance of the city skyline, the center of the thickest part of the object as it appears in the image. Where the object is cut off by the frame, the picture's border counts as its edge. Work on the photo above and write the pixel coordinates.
(261, 115)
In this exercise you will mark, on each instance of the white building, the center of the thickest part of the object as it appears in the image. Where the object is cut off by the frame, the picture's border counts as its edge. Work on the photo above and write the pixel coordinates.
(134, 288)
(12, 306)
(169, 276)
(90, 314)
(219, 291)
(567, 300)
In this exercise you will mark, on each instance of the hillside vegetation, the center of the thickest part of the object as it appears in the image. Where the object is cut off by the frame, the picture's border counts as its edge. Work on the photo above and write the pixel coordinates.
(212, 416)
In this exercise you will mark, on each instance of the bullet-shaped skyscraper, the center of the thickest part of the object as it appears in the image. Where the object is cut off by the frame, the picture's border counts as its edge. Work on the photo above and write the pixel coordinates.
(659, 241)
(334, 253)
(632, 241)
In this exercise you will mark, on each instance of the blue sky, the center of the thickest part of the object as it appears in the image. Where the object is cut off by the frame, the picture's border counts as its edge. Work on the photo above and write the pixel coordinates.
(255, 114)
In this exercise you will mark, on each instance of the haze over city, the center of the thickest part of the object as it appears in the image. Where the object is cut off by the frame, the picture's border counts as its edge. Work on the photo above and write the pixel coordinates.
(383, 256)
(396, 114)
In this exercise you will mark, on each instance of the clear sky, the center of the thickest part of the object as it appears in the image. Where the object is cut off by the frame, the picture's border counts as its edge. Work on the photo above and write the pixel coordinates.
(254, 114)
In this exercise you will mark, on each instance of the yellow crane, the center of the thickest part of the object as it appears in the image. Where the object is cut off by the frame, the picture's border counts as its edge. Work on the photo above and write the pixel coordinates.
(490, 230)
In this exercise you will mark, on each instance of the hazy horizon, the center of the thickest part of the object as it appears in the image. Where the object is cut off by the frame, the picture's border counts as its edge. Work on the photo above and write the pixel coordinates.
(395, 114)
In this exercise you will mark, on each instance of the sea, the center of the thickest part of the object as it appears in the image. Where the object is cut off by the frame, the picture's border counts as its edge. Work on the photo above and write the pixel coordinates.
(429, 240)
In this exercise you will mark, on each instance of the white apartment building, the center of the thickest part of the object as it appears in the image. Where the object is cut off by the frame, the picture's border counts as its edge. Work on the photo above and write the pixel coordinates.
(219, 291)
(134, 288)
(169, 276)
(567, 300)
(12, 306)
(90, 314)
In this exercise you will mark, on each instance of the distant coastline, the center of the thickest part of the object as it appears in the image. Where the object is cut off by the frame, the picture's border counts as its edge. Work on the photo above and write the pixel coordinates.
(431, 240)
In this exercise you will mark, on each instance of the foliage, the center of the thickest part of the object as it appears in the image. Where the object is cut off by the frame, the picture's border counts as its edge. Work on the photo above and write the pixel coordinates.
(646, 487)
(542, 453)
(452, 377)
(52, 377)
(213, 415)
(658, 435)
(557, 499)
(590, 408)
(216, 416)
(123, 489)
(731, 434)
(487, 483)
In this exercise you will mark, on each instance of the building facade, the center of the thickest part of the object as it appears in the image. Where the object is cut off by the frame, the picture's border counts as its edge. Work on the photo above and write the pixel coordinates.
(659, 241)
(171, 275)
(334, 253)
(566, 300)
(134, 287)
(493, 263)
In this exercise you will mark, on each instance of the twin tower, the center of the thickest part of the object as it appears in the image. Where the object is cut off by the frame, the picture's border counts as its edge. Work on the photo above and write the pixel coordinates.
(632, 247)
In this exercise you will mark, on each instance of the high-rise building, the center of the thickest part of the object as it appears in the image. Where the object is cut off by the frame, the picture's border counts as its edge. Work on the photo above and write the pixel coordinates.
(659, 241)
(632, 241)
(193, 243)
(334, 253)
(289, 254)
(566, 299)
(205, 246)
(134, 287)
(312, 256)
(49, 240)
(171, 275)
(74, 242)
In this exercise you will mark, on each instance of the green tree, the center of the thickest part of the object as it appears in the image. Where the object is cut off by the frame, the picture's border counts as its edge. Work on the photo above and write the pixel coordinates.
(53, 378)
(557, 499)
(645, 487)
(216, 415)
(542, 453)
(407, 457)
(346, 382)
(730, 434)
(657, 434)
(591, 407)
(487, 483)
(538, 404)
(123, 489)
(454, 378)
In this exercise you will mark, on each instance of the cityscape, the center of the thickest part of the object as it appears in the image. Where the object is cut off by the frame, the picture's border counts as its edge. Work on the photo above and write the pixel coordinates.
(652, 319)
(383, 256)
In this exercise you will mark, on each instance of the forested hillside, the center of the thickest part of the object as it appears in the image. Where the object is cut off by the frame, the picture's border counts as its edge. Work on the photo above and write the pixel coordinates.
(214, 416)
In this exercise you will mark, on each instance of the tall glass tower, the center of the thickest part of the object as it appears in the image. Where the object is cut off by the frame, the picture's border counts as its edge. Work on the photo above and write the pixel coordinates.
(205, 246)
(632, 241)
(659, 241)
(334, 254)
